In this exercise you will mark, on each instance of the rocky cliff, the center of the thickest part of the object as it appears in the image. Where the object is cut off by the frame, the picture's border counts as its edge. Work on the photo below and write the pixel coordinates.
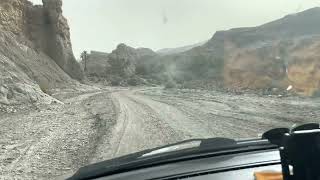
(120, 67)
(45, 28)
(35, 51)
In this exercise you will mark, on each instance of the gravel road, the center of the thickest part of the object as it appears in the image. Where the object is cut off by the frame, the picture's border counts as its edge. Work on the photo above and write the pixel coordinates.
(51, 140)
(152, 117)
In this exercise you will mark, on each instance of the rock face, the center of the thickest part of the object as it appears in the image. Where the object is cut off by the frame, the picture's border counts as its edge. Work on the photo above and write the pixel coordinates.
(55, 41)
(275, 55)
(45, 27)
(26, 74)
(304, 68)
(35, 51)
(124, 60)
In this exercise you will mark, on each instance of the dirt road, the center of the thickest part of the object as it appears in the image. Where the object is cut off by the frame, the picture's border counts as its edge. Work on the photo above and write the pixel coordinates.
(151, 117)
(94, 126)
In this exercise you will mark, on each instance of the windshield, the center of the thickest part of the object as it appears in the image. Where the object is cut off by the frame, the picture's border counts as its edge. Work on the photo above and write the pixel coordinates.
(87, 81)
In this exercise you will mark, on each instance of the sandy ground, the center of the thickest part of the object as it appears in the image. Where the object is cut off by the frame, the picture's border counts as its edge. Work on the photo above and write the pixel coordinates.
(52, 140)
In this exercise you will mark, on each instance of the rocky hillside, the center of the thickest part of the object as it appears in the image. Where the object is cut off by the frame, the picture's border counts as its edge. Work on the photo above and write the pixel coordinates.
(270, 57)
(275, 55)
(35, 51)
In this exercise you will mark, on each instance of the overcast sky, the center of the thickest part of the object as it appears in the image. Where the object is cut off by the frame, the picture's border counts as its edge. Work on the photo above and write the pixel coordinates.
(103, 24)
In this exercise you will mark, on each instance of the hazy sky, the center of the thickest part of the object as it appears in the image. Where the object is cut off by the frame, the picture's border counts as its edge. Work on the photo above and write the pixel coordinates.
(103, 24)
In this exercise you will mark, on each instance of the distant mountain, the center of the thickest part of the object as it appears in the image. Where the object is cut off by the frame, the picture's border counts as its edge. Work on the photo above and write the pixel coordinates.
(169, 51)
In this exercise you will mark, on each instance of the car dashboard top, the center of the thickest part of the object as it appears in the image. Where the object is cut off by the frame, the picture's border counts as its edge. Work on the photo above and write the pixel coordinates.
(233, 166)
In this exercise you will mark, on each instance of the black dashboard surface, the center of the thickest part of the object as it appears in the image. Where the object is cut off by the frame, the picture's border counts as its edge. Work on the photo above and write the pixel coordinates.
(235, 166)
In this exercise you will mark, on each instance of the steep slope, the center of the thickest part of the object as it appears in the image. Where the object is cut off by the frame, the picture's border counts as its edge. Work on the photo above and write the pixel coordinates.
(26, 74)
(304, 69)
(30, 36)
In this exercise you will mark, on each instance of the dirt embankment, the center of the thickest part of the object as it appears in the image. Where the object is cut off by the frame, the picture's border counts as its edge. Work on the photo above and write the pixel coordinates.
(304, 71)
(277, 66)
(48, 141)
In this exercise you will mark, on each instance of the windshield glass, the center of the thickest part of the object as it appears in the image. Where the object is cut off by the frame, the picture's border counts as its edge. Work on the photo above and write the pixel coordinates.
(86, 81)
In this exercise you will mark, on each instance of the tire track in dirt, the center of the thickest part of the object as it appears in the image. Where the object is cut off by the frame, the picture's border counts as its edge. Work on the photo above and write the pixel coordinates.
(145, 123)
(138, 127)
(123, 121)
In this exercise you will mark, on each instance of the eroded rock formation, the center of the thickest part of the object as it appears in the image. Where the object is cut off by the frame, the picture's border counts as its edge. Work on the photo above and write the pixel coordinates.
(45, 27)
(35, 51)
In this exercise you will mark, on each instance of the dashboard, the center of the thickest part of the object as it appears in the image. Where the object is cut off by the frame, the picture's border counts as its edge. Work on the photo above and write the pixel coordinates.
(233, 166)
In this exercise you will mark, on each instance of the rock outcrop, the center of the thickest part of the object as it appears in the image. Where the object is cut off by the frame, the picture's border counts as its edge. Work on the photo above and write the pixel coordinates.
(55, 41)
(120, 67)
(124, 60)
(26, 75)
(35, 51)
(45, 27)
